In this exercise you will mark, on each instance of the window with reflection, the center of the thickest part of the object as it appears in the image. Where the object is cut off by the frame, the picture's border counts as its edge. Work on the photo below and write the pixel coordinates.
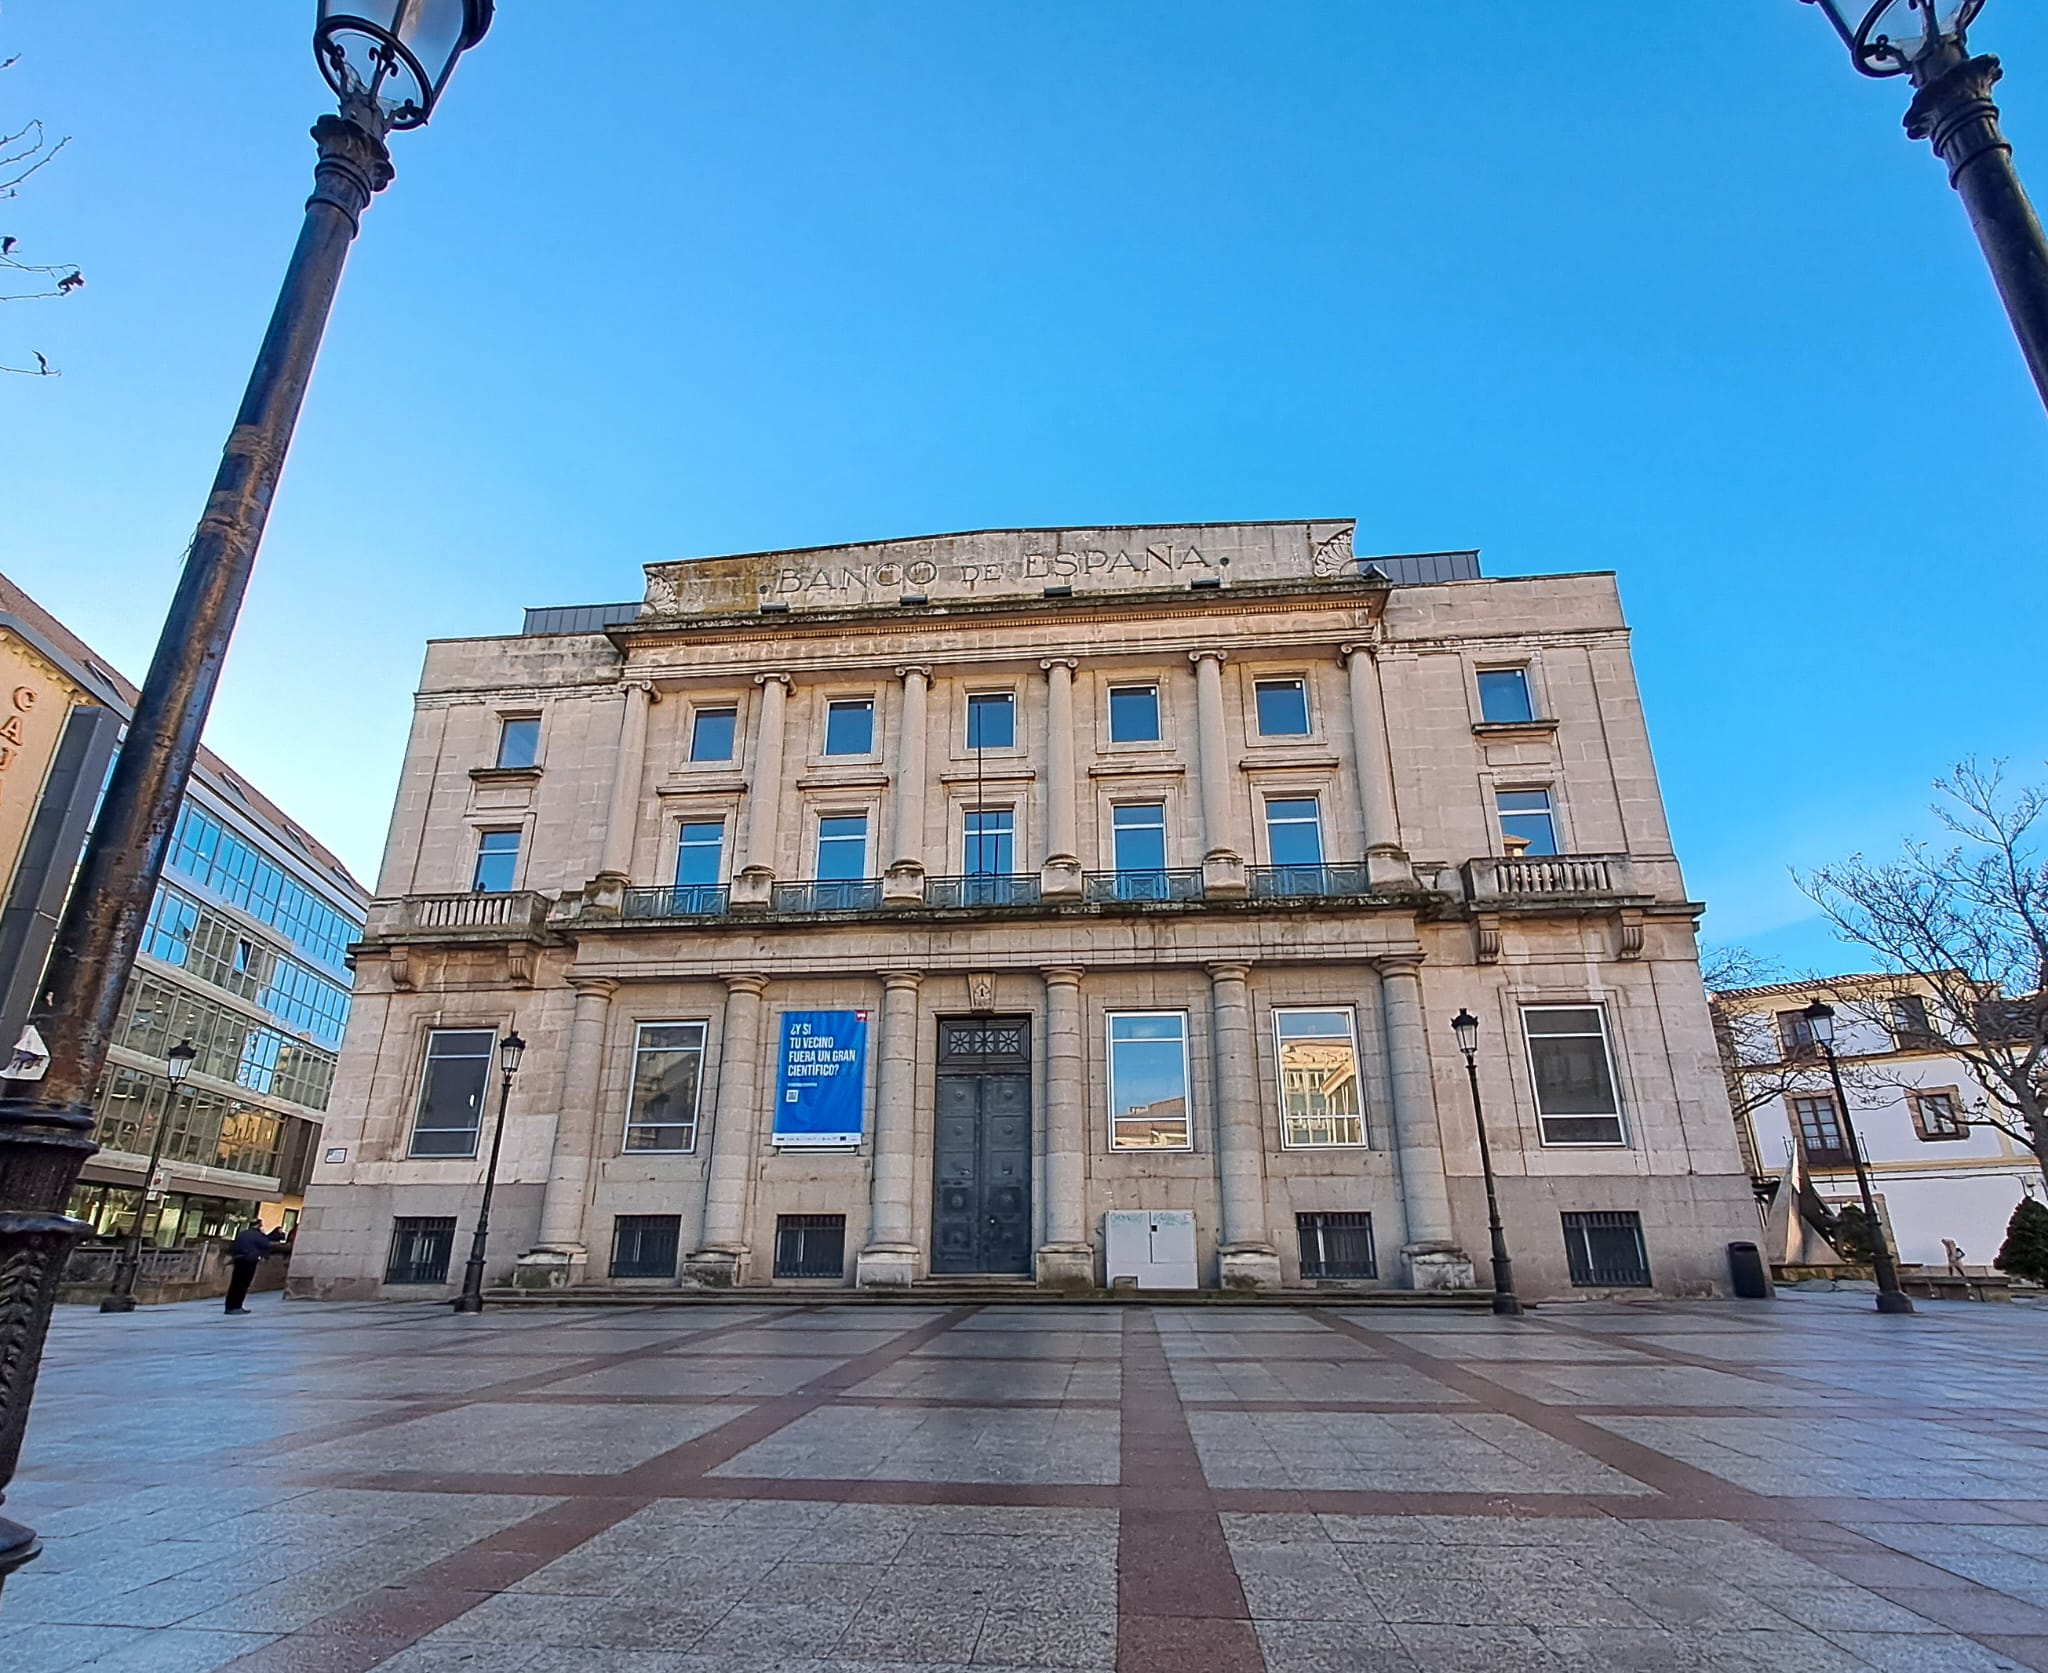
(850, 727)
(1282, 707)
(1148, 1081)
(1133, 714)
(992, 720)
(668, 1075)
(1504, 696)
(711, 734)
(842, 847)
(449, 1113)
(989, 844)
(1577, 1101)
(518, 741)
(497, 862)
(1321, 1103)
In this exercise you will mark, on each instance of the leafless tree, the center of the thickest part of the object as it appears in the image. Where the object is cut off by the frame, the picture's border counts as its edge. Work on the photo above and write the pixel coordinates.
(25, 152)
(1967, 919)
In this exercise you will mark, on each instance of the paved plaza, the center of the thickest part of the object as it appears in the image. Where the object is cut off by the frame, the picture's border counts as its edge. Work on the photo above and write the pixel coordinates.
(1799, 1485)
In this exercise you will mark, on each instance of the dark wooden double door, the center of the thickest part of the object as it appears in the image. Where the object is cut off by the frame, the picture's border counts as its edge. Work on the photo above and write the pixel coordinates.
(981, 1155)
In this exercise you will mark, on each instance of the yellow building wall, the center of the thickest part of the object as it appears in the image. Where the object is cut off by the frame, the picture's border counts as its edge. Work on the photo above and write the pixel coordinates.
(35, 697)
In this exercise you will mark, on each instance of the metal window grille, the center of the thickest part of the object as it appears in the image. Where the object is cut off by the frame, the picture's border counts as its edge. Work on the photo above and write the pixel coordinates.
(1606, 1248)
(644, 1245)
(1336, 1246)
(810, 1245)
(420, 1248)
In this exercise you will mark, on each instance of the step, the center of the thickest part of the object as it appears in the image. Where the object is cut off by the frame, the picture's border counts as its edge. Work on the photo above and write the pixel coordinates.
(997, 1292)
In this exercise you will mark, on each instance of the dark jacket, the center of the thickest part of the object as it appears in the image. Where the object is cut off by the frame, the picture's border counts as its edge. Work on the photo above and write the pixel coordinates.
(254, 1244)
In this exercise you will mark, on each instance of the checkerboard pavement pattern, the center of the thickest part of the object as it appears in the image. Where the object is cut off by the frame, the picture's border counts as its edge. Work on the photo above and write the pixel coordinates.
(830, 1488)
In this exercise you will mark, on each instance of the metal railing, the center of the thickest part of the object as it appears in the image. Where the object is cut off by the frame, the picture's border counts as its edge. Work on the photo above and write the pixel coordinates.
(685, 900)
(515, 909)
(1301, 881)
(1545, 876)
(859, 894)
(984, 889)
(1142, 885)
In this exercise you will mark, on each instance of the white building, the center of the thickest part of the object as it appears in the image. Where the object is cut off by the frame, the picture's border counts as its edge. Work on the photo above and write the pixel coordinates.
(909, 909)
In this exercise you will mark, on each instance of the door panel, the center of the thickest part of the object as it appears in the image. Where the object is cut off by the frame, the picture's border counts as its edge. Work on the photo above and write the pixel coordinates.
(981, 1165)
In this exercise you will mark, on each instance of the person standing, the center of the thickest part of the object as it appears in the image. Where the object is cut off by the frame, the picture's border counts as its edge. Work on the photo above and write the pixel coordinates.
(244, 1256)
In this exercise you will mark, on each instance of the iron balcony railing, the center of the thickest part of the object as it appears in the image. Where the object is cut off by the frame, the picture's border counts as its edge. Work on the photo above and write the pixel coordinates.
(1303, 882)
(984, 889)
(859, 894)
(685, 900)
(1142, 885)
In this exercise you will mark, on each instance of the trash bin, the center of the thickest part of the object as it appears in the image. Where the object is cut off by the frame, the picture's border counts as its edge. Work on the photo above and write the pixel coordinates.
(1746, 1272)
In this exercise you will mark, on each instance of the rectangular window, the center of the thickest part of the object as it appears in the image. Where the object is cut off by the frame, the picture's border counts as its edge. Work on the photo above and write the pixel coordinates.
(1139, 833)
(992, 720)
(711, 734)
(1795, 1034)
(1576, 1099)
(1504, 695)
(989, 849)
(1819, 1124)
(850, 727)
(1937, 1114)
(1282, 707)
(1320, 1100)
(1148, 1081)
(450, 1110)
(700, 853)
(1526, 825)
(842, 847)
(810, 1246)
(1336, 1246)
(420, 1247)
(1133, 714)
(1606, 1250)
(668, 1070)
(1294, 831)
(644, 1245)
(519, 742)
(497, 862)
(1906, 1015)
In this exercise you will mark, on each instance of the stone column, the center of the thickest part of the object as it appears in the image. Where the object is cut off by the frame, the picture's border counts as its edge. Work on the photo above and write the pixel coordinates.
(1386, 861)
(1246, 1257)
(903, 878)
(1066, 1260)
(1222, 858)
(890, 1259)
(753, 882)
(1435, 1261)
(1060, 876)
(622, 822)
(720, 1259)
(562, 1253)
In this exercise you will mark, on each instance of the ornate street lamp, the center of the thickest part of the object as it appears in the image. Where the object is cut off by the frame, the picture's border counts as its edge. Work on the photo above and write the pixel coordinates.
(1820, 1023)
(120, 1297)
(471, 1300)
(1926, 41)
(1505, 1302)
(388, 60)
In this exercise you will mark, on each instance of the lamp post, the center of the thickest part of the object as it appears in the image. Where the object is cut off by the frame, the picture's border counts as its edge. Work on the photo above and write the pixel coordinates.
(388, 62)
(120, 1297)
(1505, 1302)
(471, 1300)
(1820, 1022)
(1926, 41)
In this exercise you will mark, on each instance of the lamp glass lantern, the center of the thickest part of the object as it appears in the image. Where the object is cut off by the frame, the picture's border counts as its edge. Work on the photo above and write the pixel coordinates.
(510, 1050)
(1894, 35)
(178, 1061)
(1466, 1027)
(398, 54)
(1820, 1022)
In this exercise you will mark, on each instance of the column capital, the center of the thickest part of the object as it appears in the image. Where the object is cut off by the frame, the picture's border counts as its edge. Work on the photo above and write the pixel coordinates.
(645, 687)
(1398, 964)
(1062, 975)
(900, 981)
(756, 985)
(779, 679)
(1369, 648)
(1227, 970)
(1199, 657)
(1067, 662)
(595, 987)
(914, 670)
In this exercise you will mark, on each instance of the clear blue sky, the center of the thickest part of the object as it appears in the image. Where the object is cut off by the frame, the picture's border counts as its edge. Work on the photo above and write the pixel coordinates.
(1656, 288)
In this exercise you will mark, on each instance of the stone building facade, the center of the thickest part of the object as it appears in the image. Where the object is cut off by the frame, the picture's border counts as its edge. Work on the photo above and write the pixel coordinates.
(1013, 903)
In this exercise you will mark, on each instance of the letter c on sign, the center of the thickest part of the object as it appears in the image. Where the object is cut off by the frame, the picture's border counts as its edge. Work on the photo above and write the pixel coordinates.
(26, 697)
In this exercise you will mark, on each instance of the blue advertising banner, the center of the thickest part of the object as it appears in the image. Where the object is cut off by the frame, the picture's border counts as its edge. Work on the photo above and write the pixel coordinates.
(821, 1095)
